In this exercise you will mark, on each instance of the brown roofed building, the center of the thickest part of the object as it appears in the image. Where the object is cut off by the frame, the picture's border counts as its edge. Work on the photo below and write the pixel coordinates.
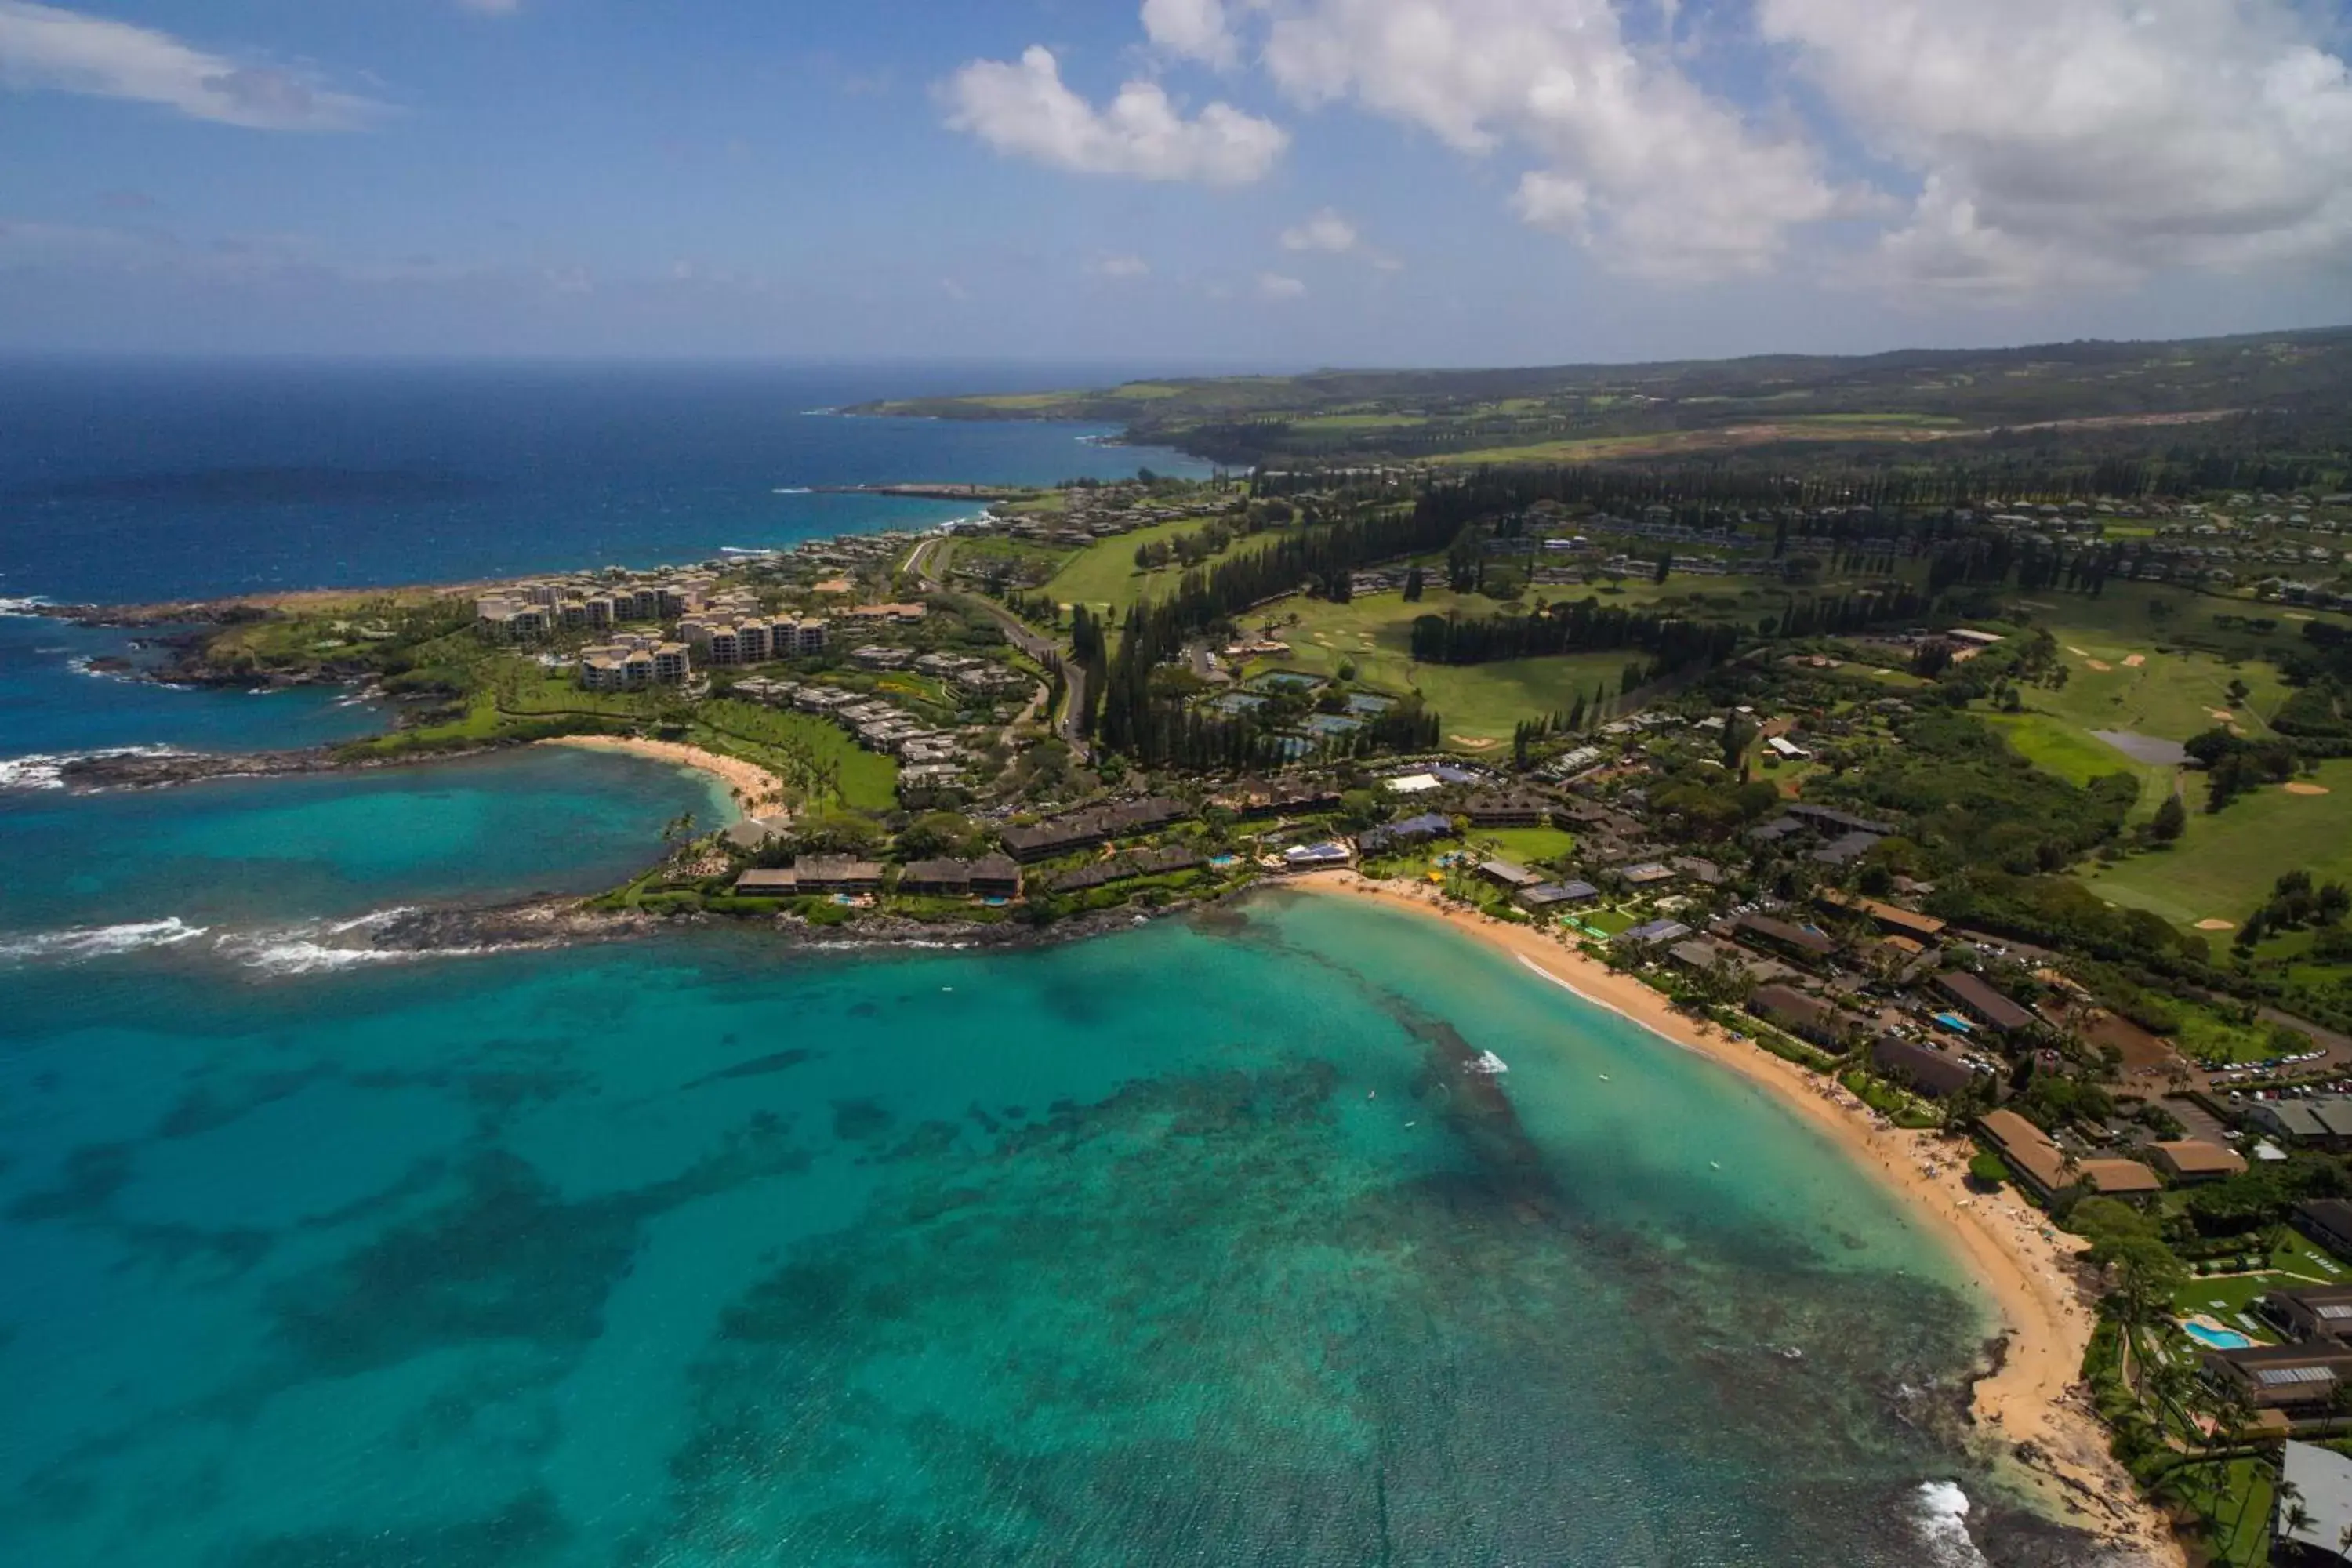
(2038, 1164)
(763, 882)
(1516, 808)
(2190, 1160)
(2117, 1178)
(1926, 1070)
(1803, 943)
(1807, 1017)
(837, 873)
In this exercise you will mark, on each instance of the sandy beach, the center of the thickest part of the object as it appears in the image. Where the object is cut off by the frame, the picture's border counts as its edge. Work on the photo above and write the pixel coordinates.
(757, 792)
(2036, 1418)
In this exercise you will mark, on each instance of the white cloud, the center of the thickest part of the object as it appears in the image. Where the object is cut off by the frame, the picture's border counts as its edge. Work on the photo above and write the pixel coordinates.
(1274, 286)
(2066, 141)
(1123, 265)
(1639, 161)
(1326, 231)
(1024, 108)
(48, 48)
(1196, 30)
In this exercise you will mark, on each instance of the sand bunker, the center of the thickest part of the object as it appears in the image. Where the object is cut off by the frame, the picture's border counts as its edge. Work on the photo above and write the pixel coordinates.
(2300, 788)
(1474, 744)
(2221, 715)
(2101, 664)
(2077, 652)
(2215, 925)
(2134, 661)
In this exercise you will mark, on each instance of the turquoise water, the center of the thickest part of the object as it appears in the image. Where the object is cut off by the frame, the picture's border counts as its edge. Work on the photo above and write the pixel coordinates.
(52, 704)
(258, 863)
(1206, 1243)
(2216, 1339)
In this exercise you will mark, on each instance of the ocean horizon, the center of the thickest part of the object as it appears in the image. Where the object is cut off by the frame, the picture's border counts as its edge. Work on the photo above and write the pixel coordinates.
(145, 480)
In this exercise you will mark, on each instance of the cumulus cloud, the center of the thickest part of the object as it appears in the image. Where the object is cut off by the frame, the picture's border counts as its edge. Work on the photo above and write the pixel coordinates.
(1123, 265)
(1196, 30)
(48, 48)
(1274, 286)
(1326, 231)
(2068, 140)
(1024, 108)
(1639, 163)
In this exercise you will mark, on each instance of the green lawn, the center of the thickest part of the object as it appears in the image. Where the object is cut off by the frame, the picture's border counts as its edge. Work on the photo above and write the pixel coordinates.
(1527, 846)
(2119, 619)
(2173, 694)
(2055, 746)
(1479, 703)
(2223, 865)
(1104, 573)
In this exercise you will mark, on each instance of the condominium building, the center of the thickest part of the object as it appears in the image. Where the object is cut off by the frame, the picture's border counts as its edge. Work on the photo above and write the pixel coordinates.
(671, 665)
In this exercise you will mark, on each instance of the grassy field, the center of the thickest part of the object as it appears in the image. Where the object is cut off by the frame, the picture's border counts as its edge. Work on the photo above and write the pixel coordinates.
(2223, 865)
(1527, 846)
(1104, 573)
(2120, 620)
(815, 756)
(1480, 702)
(2056, 746)
(2170, 695)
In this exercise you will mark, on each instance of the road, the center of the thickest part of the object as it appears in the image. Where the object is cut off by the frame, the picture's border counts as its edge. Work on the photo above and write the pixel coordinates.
(1044, 649)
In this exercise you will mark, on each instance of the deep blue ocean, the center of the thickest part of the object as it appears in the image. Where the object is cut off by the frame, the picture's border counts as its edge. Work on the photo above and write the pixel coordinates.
(133, 483)
(1216, 1241)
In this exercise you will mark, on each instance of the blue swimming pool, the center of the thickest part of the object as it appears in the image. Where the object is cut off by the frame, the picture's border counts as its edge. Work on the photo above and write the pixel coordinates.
(2216, 1339)
(1954, 1021)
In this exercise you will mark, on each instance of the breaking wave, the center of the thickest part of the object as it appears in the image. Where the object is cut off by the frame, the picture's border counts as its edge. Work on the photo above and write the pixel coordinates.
(83, 944)
(46, 770)
(1942, 1521)
(33, 604)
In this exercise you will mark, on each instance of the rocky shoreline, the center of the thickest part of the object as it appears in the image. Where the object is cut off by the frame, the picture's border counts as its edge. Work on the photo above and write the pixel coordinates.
(548, 923)
(147, 769)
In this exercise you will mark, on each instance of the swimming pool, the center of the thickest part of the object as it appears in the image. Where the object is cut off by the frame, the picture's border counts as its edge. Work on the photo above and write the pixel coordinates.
(2216, 1339)
(1954, 1021)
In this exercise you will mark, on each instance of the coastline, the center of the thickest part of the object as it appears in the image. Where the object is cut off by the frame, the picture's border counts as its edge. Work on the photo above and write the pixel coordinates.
(2028, 1406)
(755, 790)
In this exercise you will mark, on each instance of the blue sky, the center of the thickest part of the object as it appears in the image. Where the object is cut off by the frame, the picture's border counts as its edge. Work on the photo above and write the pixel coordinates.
(1188, 182)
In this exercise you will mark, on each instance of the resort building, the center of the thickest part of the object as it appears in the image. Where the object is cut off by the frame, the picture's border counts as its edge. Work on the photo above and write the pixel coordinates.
(1422, 829)
(765, 882)
(671, 665)
(2327, 1221)
(1510, 876)
(1806, 944)
(2295, 1380)
(1807, 1017)
(1982, 1002)
(2191, 1160)
(993, 876)
(1555, 895)
(2043, 1168)
(2323, 1121)
(837, 873)
(1927, 1070)
(2316, 1314)
(1514, 809)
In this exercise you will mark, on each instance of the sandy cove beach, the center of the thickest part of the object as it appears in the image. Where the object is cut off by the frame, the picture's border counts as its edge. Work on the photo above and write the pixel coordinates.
(756, 790)
(2023, 1264)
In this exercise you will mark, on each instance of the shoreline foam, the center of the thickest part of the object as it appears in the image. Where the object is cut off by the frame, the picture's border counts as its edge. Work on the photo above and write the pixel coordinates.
(2024, 1268)
(755, 790)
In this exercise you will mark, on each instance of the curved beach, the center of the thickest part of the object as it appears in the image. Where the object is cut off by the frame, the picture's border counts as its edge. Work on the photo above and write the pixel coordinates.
(755, 789)
(2030, 1406)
